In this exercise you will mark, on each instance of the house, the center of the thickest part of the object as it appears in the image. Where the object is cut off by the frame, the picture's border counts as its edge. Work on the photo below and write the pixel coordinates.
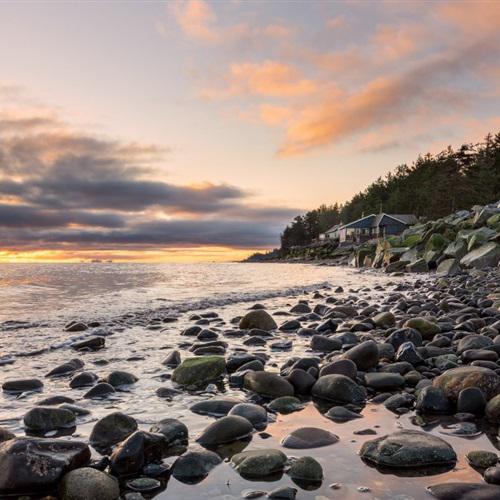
(374, 226)
(332, 233)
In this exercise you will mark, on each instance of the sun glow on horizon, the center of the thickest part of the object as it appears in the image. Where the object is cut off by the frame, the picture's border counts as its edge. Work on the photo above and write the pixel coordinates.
(171, 255)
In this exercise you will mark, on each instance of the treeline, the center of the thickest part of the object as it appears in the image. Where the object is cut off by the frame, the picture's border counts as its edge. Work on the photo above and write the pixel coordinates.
(433, 187)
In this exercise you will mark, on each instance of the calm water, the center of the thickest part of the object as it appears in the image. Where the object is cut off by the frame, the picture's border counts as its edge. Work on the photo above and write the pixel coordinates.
(36, 300)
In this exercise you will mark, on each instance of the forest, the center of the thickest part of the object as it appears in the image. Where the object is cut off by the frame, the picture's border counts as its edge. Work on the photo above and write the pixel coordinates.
(432, 186)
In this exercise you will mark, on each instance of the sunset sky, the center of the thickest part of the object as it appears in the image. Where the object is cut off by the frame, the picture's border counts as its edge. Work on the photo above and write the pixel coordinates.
(195, 130)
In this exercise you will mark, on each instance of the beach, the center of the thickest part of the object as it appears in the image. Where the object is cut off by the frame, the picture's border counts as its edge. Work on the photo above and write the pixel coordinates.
(124, 358)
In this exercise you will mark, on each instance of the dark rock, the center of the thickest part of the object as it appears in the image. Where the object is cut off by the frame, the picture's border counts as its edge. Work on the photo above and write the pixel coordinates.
(471, 400)
(111, 429)
(258, 318)
(384, 381)
(301, 380)
(216, 407)
(408, 448)
(259, 463)
(120, 378)
(89, 344)
(43, 419)
(172, 360)
(68, 368)
(268, 384)
(174, 431)
(226, 430)
(365, 355)
(454, 380)
(306, 469)
(87, 483)
(101, 390)
(83, 379)
(255, 414)
(339, 388)
(464, 491)
(309, 437)
(199, 369)
(340, 367)
(321, 343)
(22, 385)
(33, 465)
(433, 400)
(195, 465)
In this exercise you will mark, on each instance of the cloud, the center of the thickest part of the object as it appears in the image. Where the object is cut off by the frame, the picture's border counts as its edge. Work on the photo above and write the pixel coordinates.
(324, 84)
(196, 19)
(383, 100)
(60, 186)
(268, 78)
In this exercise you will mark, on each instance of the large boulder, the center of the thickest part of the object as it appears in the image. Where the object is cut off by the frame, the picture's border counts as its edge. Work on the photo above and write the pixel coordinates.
(408, 449)
(258, 318)
(268, 384)
(487, 255)
(199, 369)
(448, 267)
(454, 380)
(364, 355)
(34, 465)
(339, 389)
(88, 484)
(384, 319)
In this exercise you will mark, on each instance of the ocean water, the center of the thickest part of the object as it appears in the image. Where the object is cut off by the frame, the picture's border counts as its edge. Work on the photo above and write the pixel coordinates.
(130, 300)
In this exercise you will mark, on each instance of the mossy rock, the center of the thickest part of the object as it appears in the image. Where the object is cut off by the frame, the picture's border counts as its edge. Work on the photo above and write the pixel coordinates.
(199, 369)
(436, 242)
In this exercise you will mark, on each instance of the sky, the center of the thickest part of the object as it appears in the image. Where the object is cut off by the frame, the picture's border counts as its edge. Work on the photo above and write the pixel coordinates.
(195, 130)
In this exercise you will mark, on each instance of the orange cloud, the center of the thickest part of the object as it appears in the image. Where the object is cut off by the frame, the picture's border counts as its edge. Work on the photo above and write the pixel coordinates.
(269, 78)
(196, 19)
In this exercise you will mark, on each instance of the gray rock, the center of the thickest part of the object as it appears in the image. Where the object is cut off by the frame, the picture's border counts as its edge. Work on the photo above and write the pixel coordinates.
(215, 407)
(340, 389)
(258, 318)
(172, 360)
(83, 379)
(22, 385)
(464, 491)
(88, 484)
(36, 464)
(309, 437)
(226, 430)
(111, 429)
(306, 469)
(255, 414)
(487, 255)
(340, 367)
(268, 384)
(43, 419)
(321, 343)
(433, 400)
(195, 465)
(101, 390)
(285, 404)
(384, 381)
(174, 430)
(259, 463)
(454, 380)
(341, 414)
(199, 369)
(365, 355)
(408, 448)
(120, 378)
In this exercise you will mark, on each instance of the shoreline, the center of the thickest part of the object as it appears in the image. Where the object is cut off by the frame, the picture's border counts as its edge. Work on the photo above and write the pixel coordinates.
(347, 354)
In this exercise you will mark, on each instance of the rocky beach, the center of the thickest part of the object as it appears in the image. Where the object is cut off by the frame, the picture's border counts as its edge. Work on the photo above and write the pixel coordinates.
(387, 386)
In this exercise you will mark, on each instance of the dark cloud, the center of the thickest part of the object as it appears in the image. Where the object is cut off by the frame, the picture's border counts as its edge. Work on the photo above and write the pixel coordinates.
(64, 189)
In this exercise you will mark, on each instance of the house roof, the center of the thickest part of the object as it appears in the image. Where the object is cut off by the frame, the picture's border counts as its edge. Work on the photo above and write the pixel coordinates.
(333, 228)
(373, 220)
